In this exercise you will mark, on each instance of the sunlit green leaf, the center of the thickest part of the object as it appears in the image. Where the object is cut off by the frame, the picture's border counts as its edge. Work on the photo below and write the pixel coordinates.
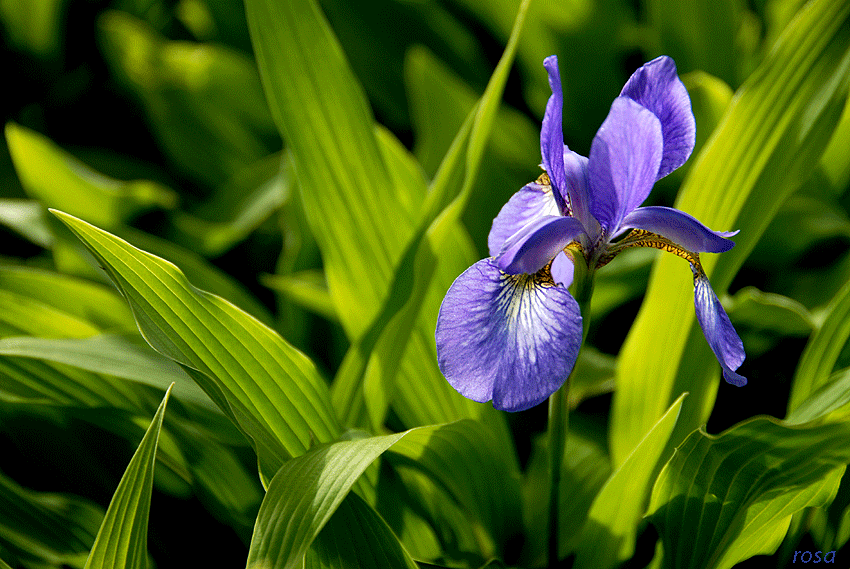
(26, 217)
(95, 303)
(123, 536)
(722, 499)
(270, 390)
(608, 536)
(829, 396)
(126, 357)
(325, 475)
(36, 381)
(440, 101)
(425, 498)
(22, 315)
(345, 186)
(438, 226)
(56, 178)
(709, 98)
(59, 180)
(306, 288)
(823, 349)
(306, 491)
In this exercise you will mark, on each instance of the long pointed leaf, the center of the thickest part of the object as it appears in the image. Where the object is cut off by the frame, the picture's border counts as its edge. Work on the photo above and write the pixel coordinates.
(388, 335)
(304, 494)
(269, 389)
(608, 536)
(122, 541)
(324, 118)
(822, 351)
(126, 357)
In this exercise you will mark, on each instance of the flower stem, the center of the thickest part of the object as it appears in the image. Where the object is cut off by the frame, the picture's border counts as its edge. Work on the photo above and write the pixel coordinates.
(559, 408)
(558, 427)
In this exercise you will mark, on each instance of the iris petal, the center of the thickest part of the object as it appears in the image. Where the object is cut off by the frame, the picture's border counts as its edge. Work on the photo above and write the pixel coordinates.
(680, 228)
(718, 330)
(531, 202)
(508, 338)
(563, 270)
(657, 87)
(536, 244)
(552, 133)
(623, 163)
(578, 191)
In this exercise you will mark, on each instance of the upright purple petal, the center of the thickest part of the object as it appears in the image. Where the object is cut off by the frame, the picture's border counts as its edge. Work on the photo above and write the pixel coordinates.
(680, 228)
(552, 132)
(718, 330)
(657, 87)
(506, 337)
(536, 244)
(624, 160)
(531, 202)
(578, 190)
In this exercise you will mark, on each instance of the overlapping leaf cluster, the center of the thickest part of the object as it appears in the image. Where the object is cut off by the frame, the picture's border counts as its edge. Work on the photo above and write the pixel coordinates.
(319, 432)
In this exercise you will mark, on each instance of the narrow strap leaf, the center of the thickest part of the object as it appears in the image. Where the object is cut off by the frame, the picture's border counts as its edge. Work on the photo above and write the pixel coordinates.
(122, 542)
(823, 349)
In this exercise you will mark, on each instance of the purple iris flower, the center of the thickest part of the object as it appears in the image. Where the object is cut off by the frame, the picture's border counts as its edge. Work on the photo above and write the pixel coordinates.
(508, 329)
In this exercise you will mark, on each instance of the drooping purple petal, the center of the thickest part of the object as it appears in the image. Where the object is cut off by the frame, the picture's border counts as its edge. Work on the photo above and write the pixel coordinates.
(681, 228)
(531, 202)
(718, 330)
(536, 244)
(657, 87)
(624, 160)
(552, 133)
(506, 337)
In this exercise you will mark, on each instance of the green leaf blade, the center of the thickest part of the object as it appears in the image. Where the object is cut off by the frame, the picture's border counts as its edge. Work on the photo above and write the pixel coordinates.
(324, 118)
(122, 539)
(609, 534)
(720, 500)
(469, 461)
(822, 351)
(306, 491)
(356, 537)
(268, 388)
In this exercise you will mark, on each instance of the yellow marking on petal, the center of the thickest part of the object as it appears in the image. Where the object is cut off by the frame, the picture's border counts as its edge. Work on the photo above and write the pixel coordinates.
(544, 180)
(643, 238)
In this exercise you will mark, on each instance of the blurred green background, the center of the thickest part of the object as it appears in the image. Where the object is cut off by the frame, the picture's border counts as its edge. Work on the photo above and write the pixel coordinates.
(148, 119)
